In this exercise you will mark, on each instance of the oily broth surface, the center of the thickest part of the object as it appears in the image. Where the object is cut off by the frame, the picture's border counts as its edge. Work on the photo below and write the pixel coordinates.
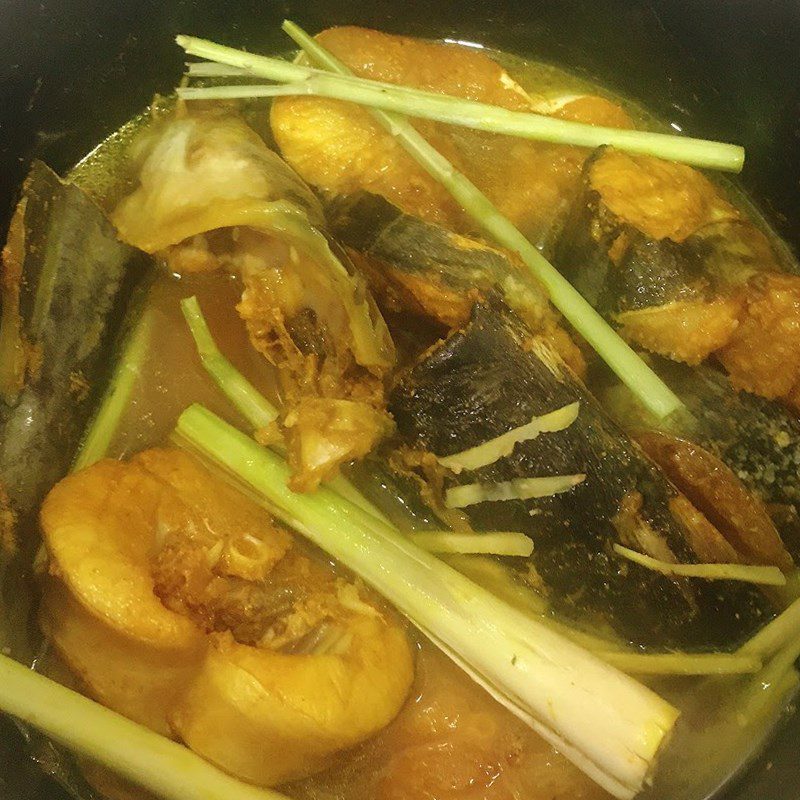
(451, 740)
(171, 376)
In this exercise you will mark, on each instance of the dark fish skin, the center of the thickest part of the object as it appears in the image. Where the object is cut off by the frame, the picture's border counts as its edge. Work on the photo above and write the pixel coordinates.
(649, 273)
(76, 280)
(371, 224)
(428, 268)
(646, 272)
(759, 439)
(492, 376)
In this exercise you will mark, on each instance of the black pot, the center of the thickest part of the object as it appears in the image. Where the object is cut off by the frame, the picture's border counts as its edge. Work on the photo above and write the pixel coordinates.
(72, 71)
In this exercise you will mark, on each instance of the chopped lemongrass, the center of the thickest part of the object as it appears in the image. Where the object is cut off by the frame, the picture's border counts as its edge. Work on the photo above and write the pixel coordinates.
(255, 408)
(764, 576)
(496, 543)
(518, 489)
(681, 663)
(608, 724)
(653, 393)
(395, 98)
(487, 453)
(783, 630)
(117, 396)
(165, 768)
(778, 676)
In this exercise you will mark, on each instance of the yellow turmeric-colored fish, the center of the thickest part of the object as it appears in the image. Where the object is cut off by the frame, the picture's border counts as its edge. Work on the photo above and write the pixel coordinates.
(339, 148)
(180, 604)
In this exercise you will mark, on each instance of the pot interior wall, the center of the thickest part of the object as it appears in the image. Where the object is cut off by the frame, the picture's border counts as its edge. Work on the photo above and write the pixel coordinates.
(72, 71)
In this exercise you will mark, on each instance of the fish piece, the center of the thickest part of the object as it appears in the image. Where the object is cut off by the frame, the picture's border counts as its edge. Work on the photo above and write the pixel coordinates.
(212, 195)
(339, 148)
(756, 440)
(181, 604)
(418, 267)
(493, 375)
(66, 282)
(763, 354)
(716, 491)
(660, 252)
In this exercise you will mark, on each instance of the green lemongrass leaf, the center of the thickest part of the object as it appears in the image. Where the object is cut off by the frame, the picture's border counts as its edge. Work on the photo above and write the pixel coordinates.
(470, 494)
(654, 394)
(118, 394)
(253, 406)
(496, 543)
(446, 108)
(764, 576)
(165, 768)
(611, 726)
(487, 453)
(213, 69)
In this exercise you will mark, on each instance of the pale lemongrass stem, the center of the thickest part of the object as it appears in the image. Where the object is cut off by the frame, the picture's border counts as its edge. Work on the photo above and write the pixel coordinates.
(165, 768)
(253, 406)
(243, 92)
(496, 543)
(628, 366)
(776, 634)
(757, 574)
(681, 663)
(503, 445)
(452, 110)
(214, 69)
(774, 677)
(117, 396)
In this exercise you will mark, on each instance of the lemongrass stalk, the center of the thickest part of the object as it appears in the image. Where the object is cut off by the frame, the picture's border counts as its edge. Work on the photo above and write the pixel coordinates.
(165, 768)
(254, 407)
(681, 663)
(470, 494)
(654, 394)
(115, 400)
(791, 592)
(395, 98)
(761, 575)
(784, 629)
(609, 725)
(214, 69)
(778, 678)
(246, 91)
(493, 576)
(496, 543)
